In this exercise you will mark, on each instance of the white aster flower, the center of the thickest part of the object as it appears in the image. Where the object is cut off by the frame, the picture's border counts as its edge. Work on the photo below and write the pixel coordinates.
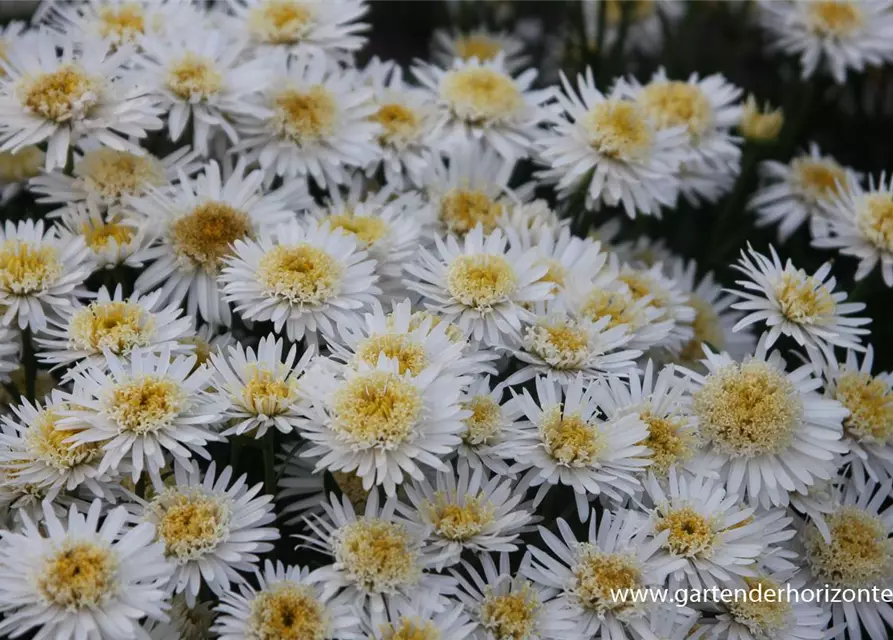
(61, 95)
(9, 352)
(319, 124)
(617, 554)
(82, 578)
(112, 240)
(211, 530)
(859, 222)
(610, 148)
(38, 272)
(481, 284)
(838, 35)
(664, 294)
(112, 323)
(490, 428)
(122, 22)
(478, 43)
(480, 101)
(419, 619)
(792, 194)
(304, 278)
(535, 217)
(793, 303)
(185, 623)
(506, 606)
(203, 76)
(285, 604)
(383, 423)
(262, 389)
(768, 428)
(720, 539)
(565, 441)
(377, 556)
(468, 510)
(197, 224)
(17, 167)
(302, 27)
(143, 411)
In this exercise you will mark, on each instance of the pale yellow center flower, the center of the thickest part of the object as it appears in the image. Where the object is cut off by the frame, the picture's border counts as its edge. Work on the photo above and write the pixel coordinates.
(674, 104)
(26, 269)
(569, 440)
(305, 117)
(480, 95)
(692, 535)
(835, 19)
(619, 129)
(190, 524)
(401, 347)
(478, 46)
(79, 575)
(764, 617)
(874, 219)
(598, 574)
(50, 443)
(17, 166)
(124, 22)
(301, 274)
(287, 611)
(281, 21)
(205, 235)
(59, 95)
(870, 403)
(399, 123)
(481, 281)
(461, 210)
(460, 521)
(510, 616)
(802, 298)
(485, 422)
(859, 554)
(378, 555)
(117, 326)
(376, 409)
(114, 174)
(146, 404)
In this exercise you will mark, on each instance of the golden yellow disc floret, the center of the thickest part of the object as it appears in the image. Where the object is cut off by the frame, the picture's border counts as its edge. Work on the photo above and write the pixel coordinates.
(190, 523)
(305, 116)
(619, 129)
(461, 210)
(113, 174)
(802, 298)
(834, 18)
(205, 235)
(510, 616)
(376, 409)
(764, 617)
(677, 104)
(115, 325)
(26, 269)
(460, 521)
(874, 219)
(287, 611)
(692, 535)
(484, 424)
(870, 403)
(301, 274)
(481, 281)
(401, 347)
(281, 21)
(400, 125)
(597, 574)
(378, 555)
(146, 404)
(569, 440)
(49, 442)
(859, 554)
(60, 95)
(78, 575)
(480, 95)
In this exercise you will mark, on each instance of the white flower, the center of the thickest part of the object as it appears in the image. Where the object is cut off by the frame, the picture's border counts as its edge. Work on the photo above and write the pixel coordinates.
(142, 411)
(478, 43)
(566, 442)
(318, 125)
(480, 285)
(505, 606)
(185, 623)
(490, 428)
(479, 100)
(377, 556)
(285, 605)
(665, 295)
(302, 27)
(59, 94)
(616, 555)
(123, 21)
(868, 430)
(262, 389)
(210, 530)
(9, 351)
(793, 303)
(82, 578)
(720, 539)
(114, 323)
(203, 75)
(16, 167)
(382, 422)
(838, 35)
(38, 271)
(859, 226)
(197, 225)
(608, 147)
(419, 619)
(107, 177)
(302, 277)
(792, 194)
(468, 510)
(768, 428)
(112, 240)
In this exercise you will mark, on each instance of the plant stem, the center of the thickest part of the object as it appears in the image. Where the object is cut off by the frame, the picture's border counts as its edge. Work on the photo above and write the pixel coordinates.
(270, 463)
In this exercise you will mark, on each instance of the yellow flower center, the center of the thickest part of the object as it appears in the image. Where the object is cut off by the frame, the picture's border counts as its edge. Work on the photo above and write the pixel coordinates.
(556, 274)
(452, 332)
(748, 409)
(50, 444)
(478, 95)
(124, 23)
(146, 404)
(117, 326)
(758, 125)
(194, 78)
(59, 95)
(351, 485)
(510, 616)
(563, 343)
(817, 179)
(834, 19)
(875, 220)
(190, 523)
(115, 174)
(668, 441)
(460, 522)
(201, 348)
(802, 298)
(281, 21)
(676, 104)
(870, 403)
(379, 556)
(477, 46)
(366, 229)
(396, 346)
(376, 409)
(79, 575)
(619, 129)
(707, 329)
(691, 534)
(204, 236)
(618, 305)
(569, 440)
(399, 123)
(597, 574)
(301, 274)
(461, 210)
(481, 281)
(410, 629)
(268, 392)
(859, 554)
(306, 117)
(485, 422)
(287, 612)
(99, 237)
(21, 165)
(26, 269)
(764, 617)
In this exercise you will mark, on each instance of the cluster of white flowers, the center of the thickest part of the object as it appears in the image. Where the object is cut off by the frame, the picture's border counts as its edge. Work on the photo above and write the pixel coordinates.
(290, 352)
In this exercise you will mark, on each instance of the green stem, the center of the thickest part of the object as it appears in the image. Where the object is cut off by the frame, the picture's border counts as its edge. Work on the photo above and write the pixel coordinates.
(270, 463)
(291, 454)
(719, 241)
(29, 360)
